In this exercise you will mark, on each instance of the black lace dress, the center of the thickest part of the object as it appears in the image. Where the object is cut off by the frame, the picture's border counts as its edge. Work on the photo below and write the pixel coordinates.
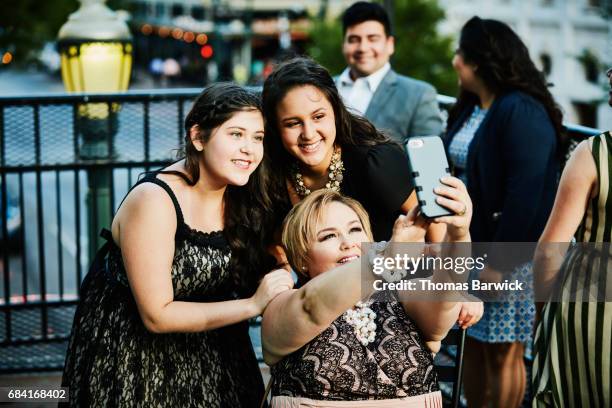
(113, 360)
(335, 366)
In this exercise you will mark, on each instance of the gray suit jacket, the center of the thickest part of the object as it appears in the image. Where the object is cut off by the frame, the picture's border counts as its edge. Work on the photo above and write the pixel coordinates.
(404, 107)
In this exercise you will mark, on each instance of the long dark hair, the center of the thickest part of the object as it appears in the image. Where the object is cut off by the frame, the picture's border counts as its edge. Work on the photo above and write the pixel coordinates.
(351, 130)
(503, 65)
(245, 207)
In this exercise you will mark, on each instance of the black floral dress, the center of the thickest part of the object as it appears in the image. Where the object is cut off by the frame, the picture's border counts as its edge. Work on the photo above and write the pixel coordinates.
(113, 360)
(335, 366)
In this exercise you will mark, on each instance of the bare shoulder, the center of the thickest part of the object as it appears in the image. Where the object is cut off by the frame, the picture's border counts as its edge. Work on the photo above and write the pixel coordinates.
(146, 207)
(582, 159)
(176, 180)
(584, 147)
(148, 197)
(581, 169)
(152, 197)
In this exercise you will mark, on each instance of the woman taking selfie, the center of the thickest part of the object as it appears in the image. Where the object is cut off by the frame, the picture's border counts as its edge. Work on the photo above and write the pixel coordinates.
(327, 347)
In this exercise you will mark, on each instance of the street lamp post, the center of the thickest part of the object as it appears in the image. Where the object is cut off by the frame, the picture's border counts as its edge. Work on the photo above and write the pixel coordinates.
(95, 46)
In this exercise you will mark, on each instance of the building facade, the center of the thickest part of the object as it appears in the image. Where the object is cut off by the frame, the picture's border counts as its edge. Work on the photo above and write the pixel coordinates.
(571, 40)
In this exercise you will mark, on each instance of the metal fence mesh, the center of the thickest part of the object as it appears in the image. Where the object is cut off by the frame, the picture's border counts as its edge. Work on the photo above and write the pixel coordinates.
(48, 154)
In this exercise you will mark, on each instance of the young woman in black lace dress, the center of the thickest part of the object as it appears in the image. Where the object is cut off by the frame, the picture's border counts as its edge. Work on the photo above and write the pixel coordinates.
(325, 347)
(162, 317)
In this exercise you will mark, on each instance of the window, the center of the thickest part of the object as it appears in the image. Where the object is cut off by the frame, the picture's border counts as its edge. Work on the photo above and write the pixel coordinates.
(587, 113)
(160, 10)
(590, 63)
(141, 10)
(150, 13)
(197, 13)
(177, 10)
(546, 62)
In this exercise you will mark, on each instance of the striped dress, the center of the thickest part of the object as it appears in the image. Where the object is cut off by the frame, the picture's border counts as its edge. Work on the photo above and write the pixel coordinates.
(573, 342)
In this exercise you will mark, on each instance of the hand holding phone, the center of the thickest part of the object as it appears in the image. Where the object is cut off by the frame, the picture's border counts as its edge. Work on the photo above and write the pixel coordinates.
(428, 164)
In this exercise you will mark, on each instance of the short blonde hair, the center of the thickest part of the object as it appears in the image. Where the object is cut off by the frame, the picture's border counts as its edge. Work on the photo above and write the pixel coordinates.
(299, 226)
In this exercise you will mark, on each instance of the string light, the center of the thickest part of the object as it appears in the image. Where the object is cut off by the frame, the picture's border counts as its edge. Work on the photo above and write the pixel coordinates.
(146, 29)
(164, 32)
(177, 33)
(188, 37)
(202, 39)
(7, 58)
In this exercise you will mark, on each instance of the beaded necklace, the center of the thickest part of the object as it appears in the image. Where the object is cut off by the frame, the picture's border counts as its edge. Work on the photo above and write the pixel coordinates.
(336, 170)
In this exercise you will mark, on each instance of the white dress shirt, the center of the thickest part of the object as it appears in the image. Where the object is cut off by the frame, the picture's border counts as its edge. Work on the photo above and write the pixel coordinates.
(357, 94)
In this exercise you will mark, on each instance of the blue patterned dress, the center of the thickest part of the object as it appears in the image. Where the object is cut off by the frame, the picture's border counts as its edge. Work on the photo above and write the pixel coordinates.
(460, 145)
(502, 322)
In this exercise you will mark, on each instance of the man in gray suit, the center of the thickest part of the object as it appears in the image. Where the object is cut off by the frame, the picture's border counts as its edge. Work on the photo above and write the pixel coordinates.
(400, 106)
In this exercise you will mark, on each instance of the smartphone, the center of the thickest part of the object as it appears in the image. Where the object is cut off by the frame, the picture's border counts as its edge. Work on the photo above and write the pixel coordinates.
(428, 165)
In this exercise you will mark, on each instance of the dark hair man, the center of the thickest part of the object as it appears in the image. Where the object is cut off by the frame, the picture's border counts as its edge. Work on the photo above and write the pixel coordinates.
(403, 107)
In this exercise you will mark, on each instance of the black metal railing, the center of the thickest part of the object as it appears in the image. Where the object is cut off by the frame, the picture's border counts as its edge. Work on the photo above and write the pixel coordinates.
(65, 162)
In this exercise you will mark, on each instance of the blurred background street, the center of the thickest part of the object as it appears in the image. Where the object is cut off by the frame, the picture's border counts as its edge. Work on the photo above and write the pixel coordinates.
(191, 43)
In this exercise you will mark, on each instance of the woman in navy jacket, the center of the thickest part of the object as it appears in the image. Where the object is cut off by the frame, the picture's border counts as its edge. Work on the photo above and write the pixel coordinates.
(503, 139)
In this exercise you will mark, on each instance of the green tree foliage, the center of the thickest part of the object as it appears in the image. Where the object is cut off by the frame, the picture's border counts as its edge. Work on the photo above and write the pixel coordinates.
(420, 52)
(326, 45)
(26, 25)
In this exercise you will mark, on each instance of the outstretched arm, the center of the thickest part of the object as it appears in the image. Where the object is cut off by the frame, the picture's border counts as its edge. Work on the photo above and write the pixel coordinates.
(576, 187)
(435, 318)
(295, 317)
